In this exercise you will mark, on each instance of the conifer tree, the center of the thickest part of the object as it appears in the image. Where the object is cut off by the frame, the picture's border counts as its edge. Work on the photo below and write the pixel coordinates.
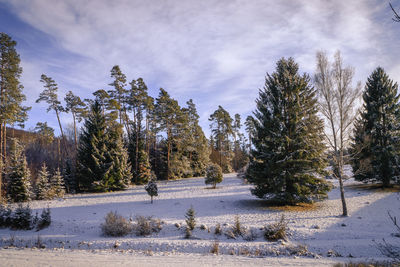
(144, 169)
(50, 96)
(69, 177)
(214, 175)
(57, 184)
(376, 140)
(221, 128)
(152, 189)
(78, 110)
(119, 94)
(18, 174)
(42, 189)
(11, 95)
(288, 144)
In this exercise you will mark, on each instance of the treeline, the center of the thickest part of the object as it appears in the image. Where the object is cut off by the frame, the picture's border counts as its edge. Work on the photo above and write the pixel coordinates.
(127, 136)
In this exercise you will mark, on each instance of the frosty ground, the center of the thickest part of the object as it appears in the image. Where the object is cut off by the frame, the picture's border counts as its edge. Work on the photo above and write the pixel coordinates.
(316, 237)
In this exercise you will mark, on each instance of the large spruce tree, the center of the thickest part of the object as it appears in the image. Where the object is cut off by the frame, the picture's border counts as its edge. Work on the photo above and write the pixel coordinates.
(376, 137)
(102, 159)
(18, 174)
(288, 143)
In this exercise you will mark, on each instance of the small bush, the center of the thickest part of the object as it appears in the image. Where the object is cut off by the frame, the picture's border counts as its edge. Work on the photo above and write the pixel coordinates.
(21, 218)
(237, 227)
(191, 218)
(218, 229)
(152, 189)
(5, 216)
(276, 231)
(215, 248)
(147, 225)
(115, 225)
(45, 220)
(250, 235)
(213, 175)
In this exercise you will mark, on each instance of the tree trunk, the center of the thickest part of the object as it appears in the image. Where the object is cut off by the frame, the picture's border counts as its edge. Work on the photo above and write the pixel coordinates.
(151, 199)
(62, 132)
(76, 139)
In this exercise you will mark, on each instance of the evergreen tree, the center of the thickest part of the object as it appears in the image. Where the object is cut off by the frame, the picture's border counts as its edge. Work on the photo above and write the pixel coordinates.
(190, 218)
(49, 95)
(69, 177)
(221, 128)
(119, 94)
(57, 184)
(376, 139)
(18, 174)
(144, 169)
(78, 109)
(91, 165)
(214, 175)
(11, 95)
(152, 189)
(102, 159)
(288, 143)
(42, 189)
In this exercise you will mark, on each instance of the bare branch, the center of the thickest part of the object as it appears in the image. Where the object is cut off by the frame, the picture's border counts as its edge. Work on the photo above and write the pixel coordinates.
(396, 17)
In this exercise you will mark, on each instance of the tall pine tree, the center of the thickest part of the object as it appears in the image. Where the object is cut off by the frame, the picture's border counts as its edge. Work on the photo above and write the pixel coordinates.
(376, 140)
(288, 142)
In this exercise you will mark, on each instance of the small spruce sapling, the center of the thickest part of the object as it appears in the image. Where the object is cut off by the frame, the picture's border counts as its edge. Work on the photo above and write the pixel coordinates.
(45, 220)
(190, 218)
(214, 175)
(152, 189)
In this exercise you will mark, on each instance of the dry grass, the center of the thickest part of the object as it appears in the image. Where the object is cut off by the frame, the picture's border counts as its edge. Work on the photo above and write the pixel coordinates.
(300, 207)
(364, 264)
(375, 187)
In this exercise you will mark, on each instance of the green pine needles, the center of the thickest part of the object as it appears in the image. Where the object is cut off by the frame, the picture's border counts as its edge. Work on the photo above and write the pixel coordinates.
(375, 147)
(288, 156)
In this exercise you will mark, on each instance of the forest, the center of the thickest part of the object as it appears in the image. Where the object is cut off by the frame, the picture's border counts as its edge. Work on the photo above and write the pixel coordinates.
(122, 136)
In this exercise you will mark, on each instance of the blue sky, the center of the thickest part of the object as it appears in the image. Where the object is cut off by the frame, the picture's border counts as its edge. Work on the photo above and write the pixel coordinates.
(214, 51)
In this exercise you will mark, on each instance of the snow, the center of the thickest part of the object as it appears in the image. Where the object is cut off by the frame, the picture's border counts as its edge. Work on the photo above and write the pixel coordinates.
(75, 229)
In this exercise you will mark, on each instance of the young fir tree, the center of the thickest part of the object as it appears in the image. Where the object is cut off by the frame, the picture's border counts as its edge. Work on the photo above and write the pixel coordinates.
(57, 184)
(152, 189)
(214, 175)
(42, 189)
(376, 138)
(144, 168)
(288, 143)
(18, 174)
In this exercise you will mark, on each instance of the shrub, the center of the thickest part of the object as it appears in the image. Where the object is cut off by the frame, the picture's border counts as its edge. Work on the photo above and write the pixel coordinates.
(213, 175)
(147, 225)
(237, 227)
(191, 218)
(215, 248)
(152, 189)
(218, 230)
(115, 225)
(45, 220)
(5, 216)
(22, 218)
(276, 231)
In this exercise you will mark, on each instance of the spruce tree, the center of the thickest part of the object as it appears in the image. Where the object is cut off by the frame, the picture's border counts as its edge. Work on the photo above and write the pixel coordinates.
(18, 174)
(376, 138)
(57, 184)
(288, 143)
(144, 168)
(152, 189)
(42, 189)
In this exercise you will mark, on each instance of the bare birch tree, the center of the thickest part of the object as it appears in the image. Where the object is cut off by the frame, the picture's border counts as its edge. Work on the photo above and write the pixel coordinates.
(337, 98)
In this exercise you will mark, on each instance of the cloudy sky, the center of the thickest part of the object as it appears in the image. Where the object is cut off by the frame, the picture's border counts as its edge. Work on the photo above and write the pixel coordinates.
(216, 52)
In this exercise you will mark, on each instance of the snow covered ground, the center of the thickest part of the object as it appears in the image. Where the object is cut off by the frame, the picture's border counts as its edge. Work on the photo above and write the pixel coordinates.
(75, 230)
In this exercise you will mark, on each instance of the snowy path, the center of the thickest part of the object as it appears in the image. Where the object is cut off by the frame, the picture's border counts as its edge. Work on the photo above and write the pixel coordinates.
(77, 219)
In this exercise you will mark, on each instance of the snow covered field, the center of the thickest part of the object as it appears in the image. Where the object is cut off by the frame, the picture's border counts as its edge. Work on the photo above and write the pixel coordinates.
(75, 230)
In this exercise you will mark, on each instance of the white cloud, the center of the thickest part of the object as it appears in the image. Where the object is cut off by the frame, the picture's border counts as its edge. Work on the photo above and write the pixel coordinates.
(216, 52)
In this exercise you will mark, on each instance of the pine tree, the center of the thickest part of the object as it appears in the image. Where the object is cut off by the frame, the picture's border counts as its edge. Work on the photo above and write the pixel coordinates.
(144, 169)
(214, 175)
(190, 218)
(288, 143)
(57, 184)
(221, 128)
(18, 174)
(42, 189)
(78, 110)
(152, 189)
(376, 138)
(11, 95)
